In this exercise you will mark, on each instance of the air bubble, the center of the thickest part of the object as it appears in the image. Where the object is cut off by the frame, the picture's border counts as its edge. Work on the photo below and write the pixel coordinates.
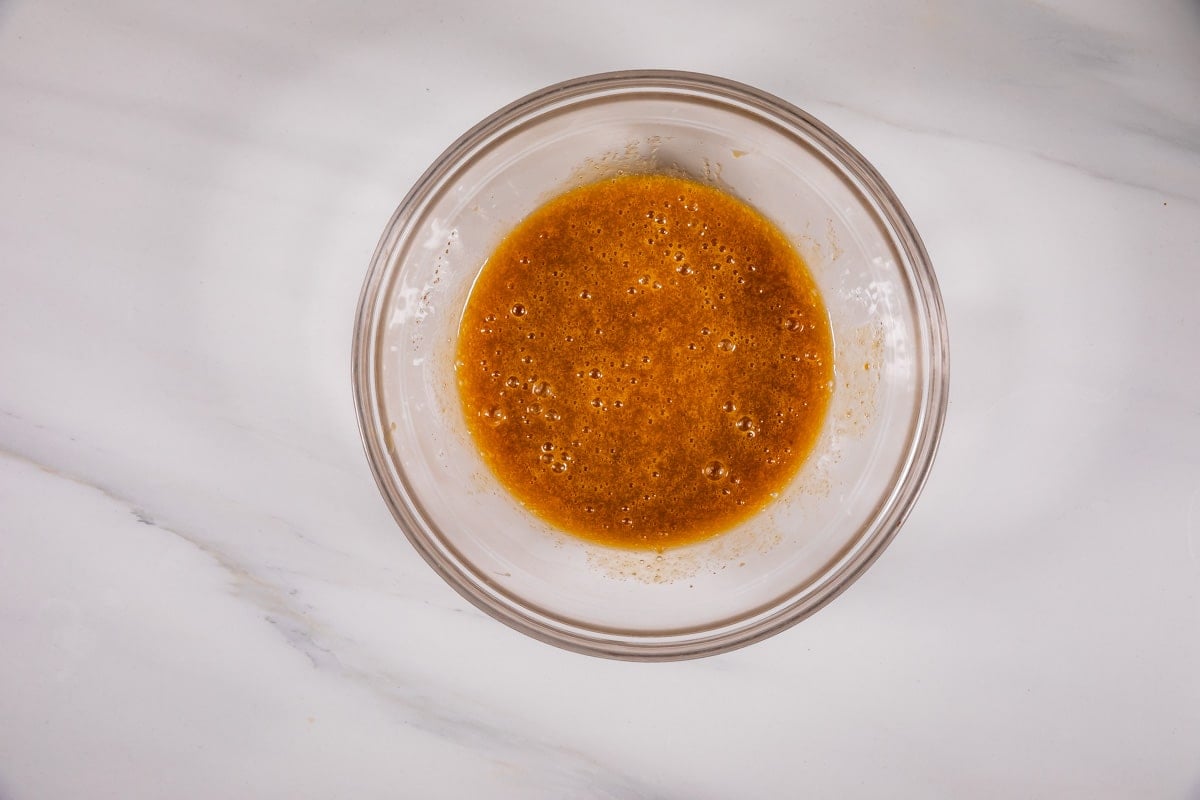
(684, 269)
(495, 415)
(597, 402)
(726, 346)
(517, 310)
(714, 470)
(793, 324)
(729, 406)
(542, 389)
(513, 382)
(547, 447)
(559, 467)
(595, 373)
(745, 424)
(585, 295)
(553, 416)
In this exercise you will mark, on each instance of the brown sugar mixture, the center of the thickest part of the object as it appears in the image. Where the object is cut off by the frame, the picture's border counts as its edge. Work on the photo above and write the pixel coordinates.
(645, 361)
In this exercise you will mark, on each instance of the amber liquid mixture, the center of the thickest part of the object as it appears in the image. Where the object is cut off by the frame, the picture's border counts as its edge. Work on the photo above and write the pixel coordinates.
(645, 361)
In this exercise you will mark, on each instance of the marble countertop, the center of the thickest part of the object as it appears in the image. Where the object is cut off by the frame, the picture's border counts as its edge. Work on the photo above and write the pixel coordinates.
(202, 594)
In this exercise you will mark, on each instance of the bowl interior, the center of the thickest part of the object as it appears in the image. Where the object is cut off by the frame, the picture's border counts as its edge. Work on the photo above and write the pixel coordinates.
(793, 554)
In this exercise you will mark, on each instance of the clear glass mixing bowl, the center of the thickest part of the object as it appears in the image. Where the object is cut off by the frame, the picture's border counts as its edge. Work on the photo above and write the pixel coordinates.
(846, 502)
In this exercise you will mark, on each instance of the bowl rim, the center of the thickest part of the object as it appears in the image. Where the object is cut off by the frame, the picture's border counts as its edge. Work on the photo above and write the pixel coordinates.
(874, 536)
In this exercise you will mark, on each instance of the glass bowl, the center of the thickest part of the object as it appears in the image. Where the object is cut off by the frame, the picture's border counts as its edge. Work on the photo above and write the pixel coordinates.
(846, 502)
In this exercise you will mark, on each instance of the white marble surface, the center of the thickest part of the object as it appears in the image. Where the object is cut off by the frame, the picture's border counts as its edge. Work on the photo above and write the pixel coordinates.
(202, 595)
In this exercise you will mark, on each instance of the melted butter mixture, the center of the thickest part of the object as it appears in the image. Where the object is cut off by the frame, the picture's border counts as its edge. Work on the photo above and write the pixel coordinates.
(645, 362)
